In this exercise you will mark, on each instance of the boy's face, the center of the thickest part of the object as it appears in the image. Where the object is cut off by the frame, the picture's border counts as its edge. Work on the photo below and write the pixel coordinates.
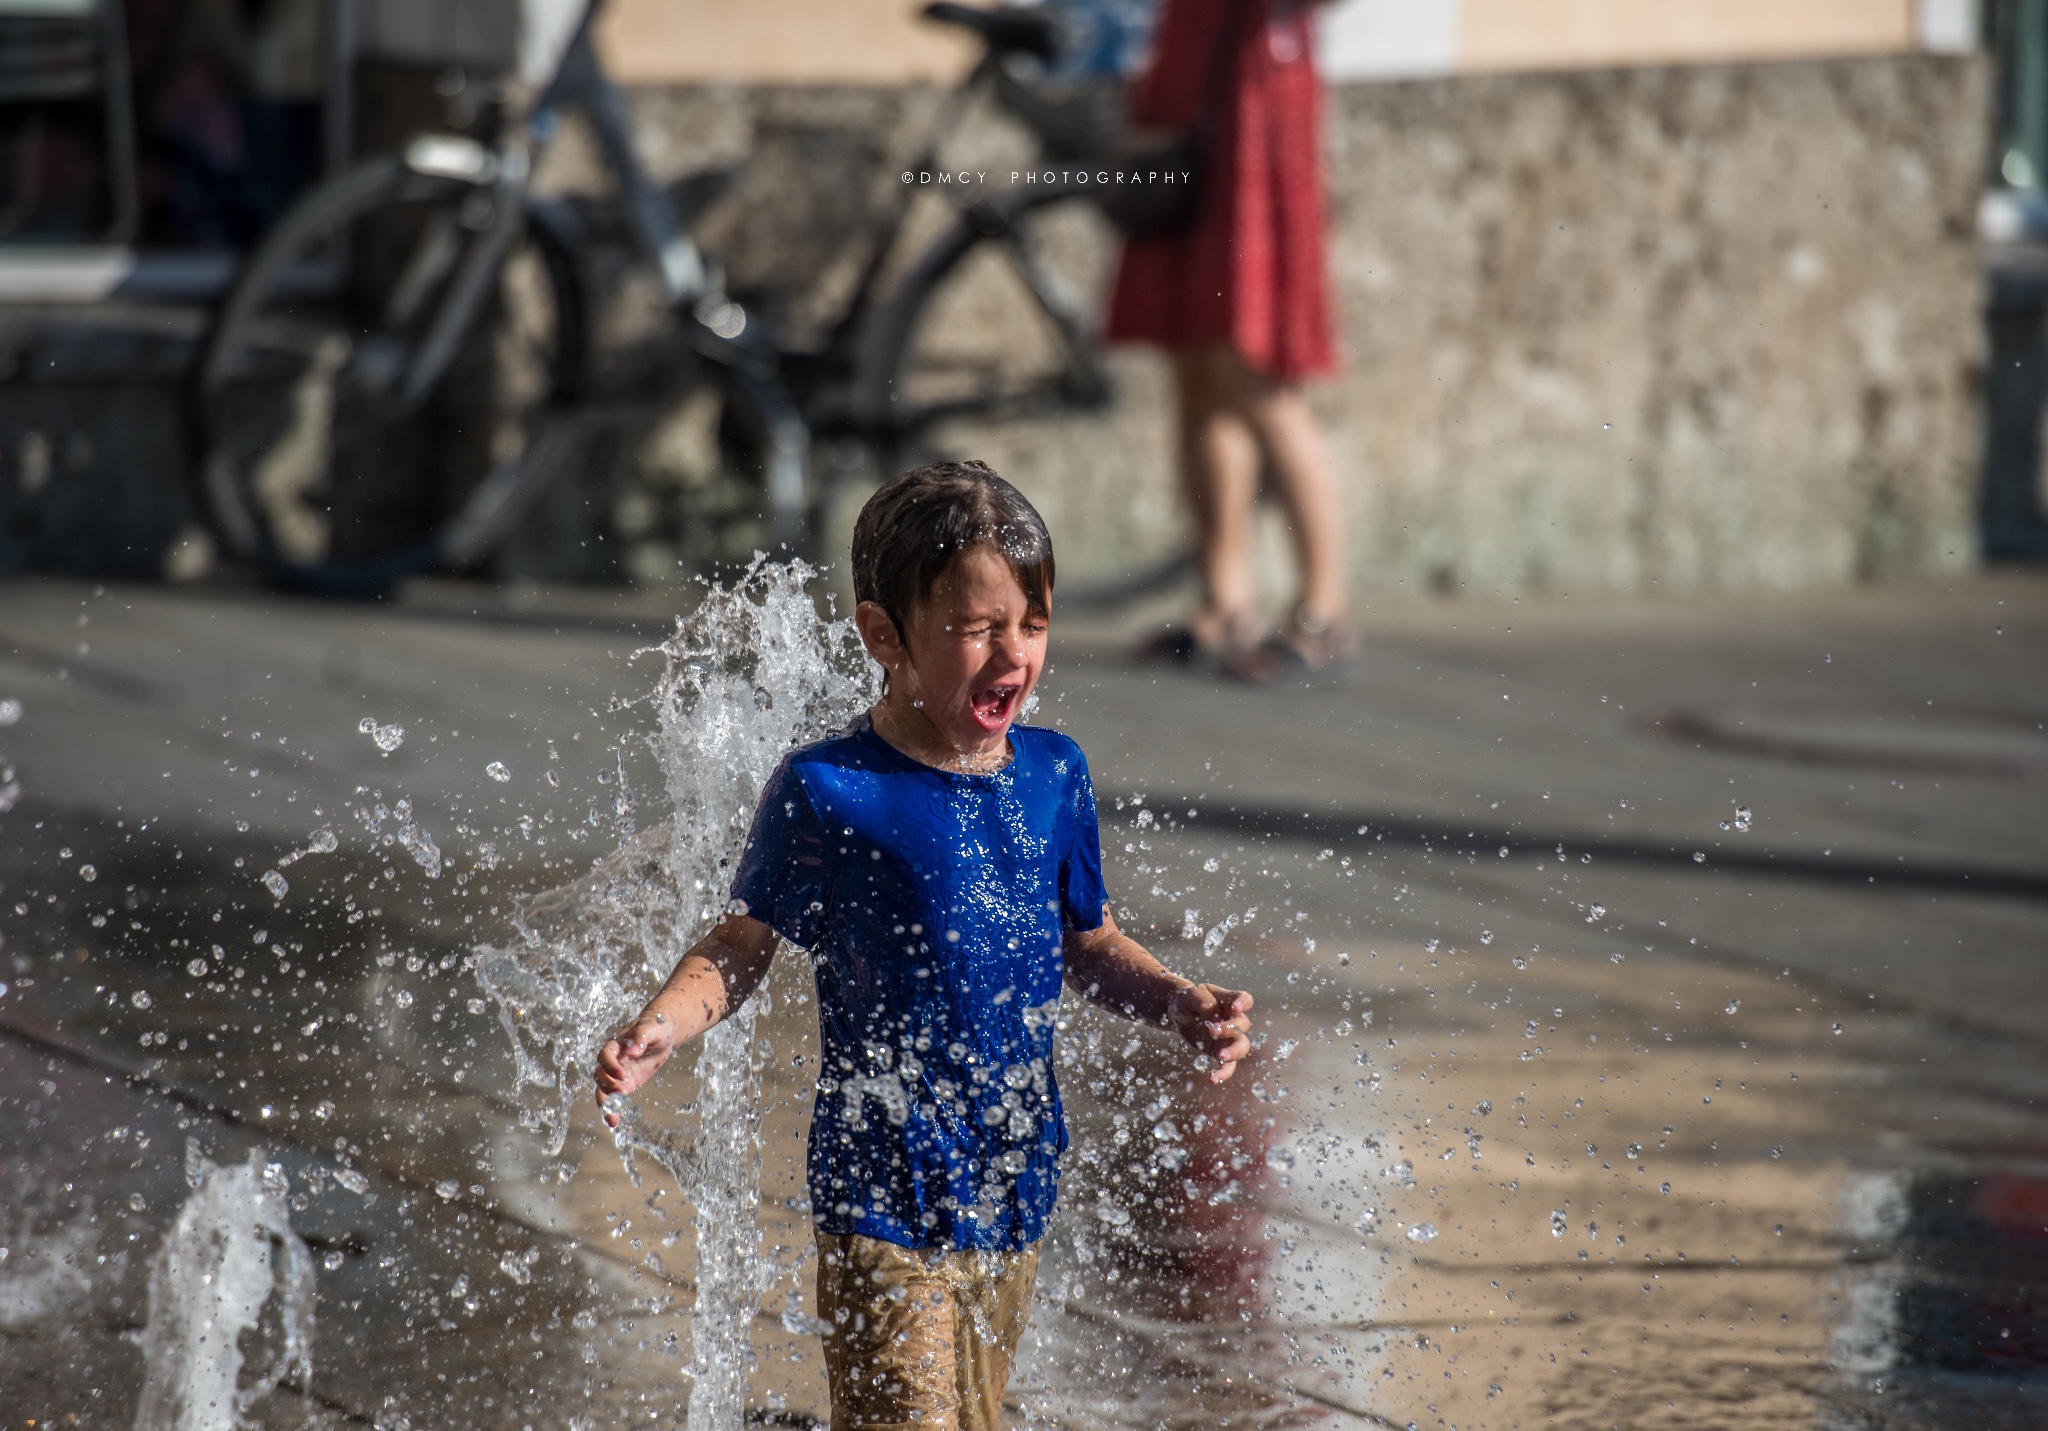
(971, 654)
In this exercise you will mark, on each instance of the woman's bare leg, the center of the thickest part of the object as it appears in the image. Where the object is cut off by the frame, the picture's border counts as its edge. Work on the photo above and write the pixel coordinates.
(1219, 465)
(1307, 487)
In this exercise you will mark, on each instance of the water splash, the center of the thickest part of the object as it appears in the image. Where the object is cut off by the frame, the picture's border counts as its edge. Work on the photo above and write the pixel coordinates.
(230, 1255)
(42, 1261)
(752, 673)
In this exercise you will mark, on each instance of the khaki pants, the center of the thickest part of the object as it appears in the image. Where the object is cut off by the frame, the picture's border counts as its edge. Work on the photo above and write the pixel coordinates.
(920, 1338)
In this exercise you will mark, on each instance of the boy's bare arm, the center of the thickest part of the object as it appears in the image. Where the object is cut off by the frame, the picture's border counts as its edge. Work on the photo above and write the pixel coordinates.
(709, 982)
(1108, 967)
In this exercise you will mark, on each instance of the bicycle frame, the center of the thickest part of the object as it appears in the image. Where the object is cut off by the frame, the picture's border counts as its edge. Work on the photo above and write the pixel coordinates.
(579, 82)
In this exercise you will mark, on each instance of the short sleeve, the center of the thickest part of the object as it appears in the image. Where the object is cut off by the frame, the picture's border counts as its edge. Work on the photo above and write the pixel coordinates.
(1081, 893)
(784, 878)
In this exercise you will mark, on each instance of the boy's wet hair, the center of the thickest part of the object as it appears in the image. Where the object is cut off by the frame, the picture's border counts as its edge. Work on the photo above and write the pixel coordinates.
(919, 523)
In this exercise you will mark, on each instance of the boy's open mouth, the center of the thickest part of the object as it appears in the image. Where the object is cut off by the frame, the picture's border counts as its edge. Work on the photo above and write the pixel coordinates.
(994, 706)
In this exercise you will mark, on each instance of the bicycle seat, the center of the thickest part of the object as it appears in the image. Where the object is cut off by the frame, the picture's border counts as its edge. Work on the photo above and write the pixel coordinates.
(1006, 29)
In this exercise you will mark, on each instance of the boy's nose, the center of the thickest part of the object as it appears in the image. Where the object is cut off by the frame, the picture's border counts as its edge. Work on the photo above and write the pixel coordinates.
(1008, 649)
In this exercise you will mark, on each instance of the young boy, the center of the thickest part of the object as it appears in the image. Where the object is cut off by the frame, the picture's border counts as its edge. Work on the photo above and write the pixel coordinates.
(942, 866)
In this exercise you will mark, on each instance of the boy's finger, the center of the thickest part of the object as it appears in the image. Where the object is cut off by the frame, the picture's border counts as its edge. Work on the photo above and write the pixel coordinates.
(1233, 1049)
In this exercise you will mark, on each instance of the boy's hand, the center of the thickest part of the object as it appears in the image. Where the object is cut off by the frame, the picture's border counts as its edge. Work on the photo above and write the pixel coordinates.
(1216, 1021)
(636, 1055)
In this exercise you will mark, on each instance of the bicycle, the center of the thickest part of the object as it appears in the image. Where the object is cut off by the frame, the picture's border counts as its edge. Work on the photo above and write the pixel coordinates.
(356, 332)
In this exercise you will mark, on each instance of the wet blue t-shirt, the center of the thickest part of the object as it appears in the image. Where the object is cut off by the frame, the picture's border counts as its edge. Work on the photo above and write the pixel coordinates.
(933, 905)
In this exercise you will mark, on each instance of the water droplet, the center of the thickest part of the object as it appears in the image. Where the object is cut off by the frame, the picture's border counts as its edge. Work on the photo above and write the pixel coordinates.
(387, 737)
(354, 1180)
(1699, 857)
(324, 1109)
(497, 771)
(1742, 817)
(1596, 913)
(1503, 851)
(140, 999)
(1633, 1151)
(1422, 1232)
(10, 712)
(403, 998)
(1732, 1006)
(1112, 1214)
(333, 1260)
(1486, 936)
(277, 884)
(323, 841)
(447, 1188)
(1367, 1222)
(1558, 1223)
(1836, 1029)
(196, 968)
(88, 873)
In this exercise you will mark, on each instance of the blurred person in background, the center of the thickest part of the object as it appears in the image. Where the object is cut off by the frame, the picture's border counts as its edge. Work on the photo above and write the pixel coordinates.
(1239, 296)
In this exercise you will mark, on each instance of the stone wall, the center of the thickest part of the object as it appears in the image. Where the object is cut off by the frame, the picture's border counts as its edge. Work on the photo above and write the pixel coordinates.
(1683, 329)
(1698, 328)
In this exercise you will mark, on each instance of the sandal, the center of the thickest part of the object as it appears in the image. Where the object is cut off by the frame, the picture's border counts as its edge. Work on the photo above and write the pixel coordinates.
(1181, 646)
(1313, 650)
(1175, 646)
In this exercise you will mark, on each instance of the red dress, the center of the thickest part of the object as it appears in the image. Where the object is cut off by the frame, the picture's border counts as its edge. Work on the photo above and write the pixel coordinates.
(1250, 269)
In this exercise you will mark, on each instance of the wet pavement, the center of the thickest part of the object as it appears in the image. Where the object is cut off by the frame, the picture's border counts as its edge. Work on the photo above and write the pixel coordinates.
(1573, 1108)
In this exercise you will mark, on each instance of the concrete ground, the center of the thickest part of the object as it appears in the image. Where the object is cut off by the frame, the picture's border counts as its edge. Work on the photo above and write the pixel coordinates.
(1653, 994)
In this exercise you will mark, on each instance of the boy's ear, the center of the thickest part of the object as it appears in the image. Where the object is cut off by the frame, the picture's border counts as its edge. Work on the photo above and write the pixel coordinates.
(878, 633)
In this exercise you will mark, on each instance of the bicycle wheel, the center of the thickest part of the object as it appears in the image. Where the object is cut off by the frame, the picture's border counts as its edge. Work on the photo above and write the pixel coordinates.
(314, 460)
(996, 321)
